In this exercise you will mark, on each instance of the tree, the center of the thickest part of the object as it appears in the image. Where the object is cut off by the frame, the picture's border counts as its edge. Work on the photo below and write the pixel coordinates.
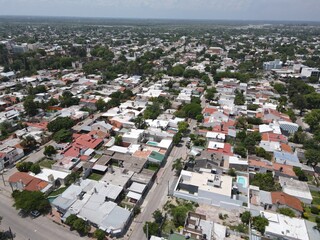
(60, 123)
(232, 172)
(199, 118)
(71, 178)
(49, 150)
(239, 98)
(252, 107)
(81, 226)
(70, 219)
(264, 181)
(210, 93)
(28, 142)
(31, 200)
(63, 136)
(300, 103)
(191, 110)
(35, 168)
(240, 150)
(158, 216)
(261, 152)
(177, 138)
(280, 88)
(246, 217)
(99, 234)
(178, 166)
(183, 127)
(140, 123)
(179, 215)
(313, 119)
(152, 228)
(24, 166)
(30, 106)
(259, 223)
(101, 105)
(300, 174)
(286, 211)
(312, 156)
(118, 140)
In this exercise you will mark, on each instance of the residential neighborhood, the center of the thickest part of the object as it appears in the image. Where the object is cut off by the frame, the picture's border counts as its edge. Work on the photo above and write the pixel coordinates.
(124, 130)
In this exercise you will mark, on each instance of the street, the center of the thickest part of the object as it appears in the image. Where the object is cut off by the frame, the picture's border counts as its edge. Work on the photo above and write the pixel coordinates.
(157, 196)
(40, 228)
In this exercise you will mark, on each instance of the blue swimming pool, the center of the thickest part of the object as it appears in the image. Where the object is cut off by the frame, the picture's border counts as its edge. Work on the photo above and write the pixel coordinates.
(242, 180)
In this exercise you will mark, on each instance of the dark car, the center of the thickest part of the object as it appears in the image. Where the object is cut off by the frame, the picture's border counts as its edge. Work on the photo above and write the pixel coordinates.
(35, 214)
(23, 213)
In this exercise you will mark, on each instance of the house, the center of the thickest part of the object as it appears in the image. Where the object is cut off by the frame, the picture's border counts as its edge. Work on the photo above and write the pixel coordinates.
(264, 166)
(54, 177)
(296, 188)
(215, 136)
(284, 227)
(281, 199)
(219, 147)
(133, 136)
(286, 158)
(9, 155)
(24, 181)
(207, 188)
(101, 126)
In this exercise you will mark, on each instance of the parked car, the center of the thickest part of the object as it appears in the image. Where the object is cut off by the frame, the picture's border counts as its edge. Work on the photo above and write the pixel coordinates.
(22, 213)
(35, 214)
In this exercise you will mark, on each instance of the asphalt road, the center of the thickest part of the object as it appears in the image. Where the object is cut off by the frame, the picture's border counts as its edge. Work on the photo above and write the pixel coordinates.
(157, 196)
(40, 228)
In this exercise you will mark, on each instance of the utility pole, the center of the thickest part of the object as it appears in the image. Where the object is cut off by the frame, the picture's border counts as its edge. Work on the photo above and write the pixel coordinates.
(147, 231)
(168, 188)
(2, 171)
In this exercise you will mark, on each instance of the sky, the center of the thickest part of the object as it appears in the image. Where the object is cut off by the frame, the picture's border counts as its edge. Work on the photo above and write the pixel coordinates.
(308, 10)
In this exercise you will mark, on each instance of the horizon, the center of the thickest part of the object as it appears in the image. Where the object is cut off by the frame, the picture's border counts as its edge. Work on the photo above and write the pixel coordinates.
(240, 10)
(265, 21)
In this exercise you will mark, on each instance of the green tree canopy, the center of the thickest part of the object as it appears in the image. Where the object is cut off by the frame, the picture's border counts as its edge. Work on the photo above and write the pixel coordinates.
(62, 136)
(264, 181)
(49, 150)
(60, 123)
(286, 211)
(30, 107)
(31, 200)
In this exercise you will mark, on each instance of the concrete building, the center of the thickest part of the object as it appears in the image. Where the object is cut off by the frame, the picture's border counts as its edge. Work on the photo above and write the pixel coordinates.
(296, 188)
(276, 64)
(207, 188)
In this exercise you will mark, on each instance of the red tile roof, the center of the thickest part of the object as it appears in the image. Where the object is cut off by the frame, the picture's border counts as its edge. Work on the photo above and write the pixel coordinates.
(30, 183)
(285, 199)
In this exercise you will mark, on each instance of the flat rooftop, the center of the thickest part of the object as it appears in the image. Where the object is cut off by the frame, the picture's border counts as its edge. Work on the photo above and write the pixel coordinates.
(201, 181)
(119, 176)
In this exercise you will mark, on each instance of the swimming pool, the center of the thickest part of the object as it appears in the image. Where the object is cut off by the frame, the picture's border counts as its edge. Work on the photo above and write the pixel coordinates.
(51, 199)
(242, 180)
(151, 143)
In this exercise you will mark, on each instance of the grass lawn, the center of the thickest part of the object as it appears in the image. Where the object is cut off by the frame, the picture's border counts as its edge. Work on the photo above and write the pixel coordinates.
(316, 197)
(153, 167)
(57, 192)
(168, 226)
(95, 176)
(46, 163)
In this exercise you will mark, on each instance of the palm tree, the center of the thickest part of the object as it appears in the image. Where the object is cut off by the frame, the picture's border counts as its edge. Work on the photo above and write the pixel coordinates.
(178, 166)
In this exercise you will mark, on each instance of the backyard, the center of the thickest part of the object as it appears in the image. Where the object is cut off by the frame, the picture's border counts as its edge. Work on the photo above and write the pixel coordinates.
(46, 163)
(95, 176)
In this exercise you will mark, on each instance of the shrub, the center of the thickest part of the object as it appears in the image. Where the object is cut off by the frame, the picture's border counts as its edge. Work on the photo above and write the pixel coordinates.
(314, 210)
(286, 211)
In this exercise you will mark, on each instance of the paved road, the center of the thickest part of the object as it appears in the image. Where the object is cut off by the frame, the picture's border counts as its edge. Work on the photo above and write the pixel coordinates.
(40, 228)
(157, 196)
